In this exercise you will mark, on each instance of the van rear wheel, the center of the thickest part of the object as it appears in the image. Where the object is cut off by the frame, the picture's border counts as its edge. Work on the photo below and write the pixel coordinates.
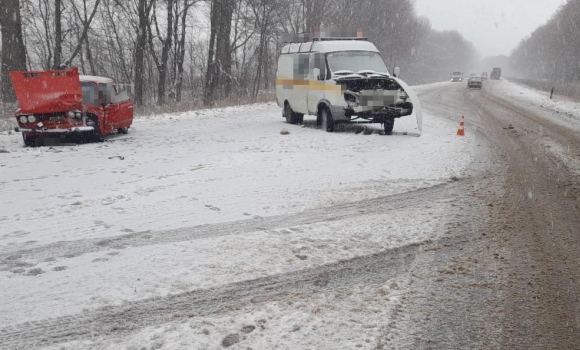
(291, 116)
(123, 130)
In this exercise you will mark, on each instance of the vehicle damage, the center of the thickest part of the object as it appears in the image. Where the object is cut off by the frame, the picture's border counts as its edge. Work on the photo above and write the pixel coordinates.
(61, 107)
(372, 96)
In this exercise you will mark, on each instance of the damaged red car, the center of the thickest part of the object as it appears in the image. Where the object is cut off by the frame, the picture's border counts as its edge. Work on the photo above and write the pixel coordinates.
(59, 106)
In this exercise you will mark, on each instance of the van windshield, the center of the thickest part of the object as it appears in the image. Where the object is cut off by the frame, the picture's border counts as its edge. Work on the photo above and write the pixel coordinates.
(356, 61)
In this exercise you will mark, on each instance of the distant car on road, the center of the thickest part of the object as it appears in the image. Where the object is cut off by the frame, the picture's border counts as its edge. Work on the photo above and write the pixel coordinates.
(457, 77)
(495, 74)
(484, 76)
(475, 82)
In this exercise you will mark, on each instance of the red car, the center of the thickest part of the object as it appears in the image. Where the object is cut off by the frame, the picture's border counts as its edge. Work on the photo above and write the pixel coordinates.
(58, 105)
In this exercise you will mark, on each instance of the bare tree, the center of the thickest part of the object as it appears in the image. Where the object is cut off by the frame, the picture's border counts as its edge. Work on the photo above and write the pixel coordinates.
(13, 49)
(219, 66)
(181, 47)
(144, 9)
(161, 62)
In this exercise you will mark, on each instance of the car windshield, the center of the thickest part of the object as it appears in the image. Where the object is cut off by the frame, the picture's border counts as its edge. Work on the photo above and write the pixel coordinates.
(356, 61)
(457, 73)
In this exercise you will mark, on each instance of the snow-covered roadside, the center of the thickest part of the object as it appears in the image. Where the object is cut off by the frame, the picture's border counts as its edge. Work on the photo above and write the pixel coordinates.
(565, 112)
(209, 167)
(562, 112)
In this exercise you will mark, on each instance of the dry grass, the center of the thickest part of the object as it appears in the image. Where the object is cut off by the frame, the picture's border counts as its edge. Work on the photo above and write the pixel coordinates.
(569, 90)
(185, 106)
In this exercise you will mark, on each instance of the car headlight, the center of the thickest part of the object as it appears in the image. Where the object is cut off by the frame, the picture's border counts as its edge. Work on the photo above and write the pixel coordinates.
(23, 119)
(31, 119)
(78, 115)
(70, 114)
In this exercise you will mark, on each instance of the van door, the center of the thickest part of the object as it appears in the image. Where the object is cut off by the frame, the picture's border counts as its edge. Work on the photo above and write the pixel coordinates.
(299, 93)
(316, 90)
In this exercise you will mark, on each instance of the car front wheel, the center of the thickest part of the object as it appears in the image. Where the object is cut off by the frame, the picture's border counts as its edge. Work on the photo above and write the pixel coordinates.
(327, 122)
(389, 124)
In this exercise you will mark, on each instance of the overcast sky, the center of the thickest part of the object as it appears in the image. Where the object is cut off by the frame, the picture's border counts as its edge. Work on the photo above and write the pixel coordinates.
(493, 26)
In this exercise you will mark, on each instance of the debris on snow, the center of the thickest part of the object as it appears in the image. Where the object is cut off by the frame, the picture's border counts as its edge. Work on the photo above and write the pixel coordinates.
(230, 340)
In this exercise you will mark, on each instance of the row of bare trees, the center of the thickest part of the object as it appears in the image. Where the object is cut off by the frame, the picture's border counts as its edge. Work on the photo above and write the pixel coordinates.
(552, 52)
(208, 50)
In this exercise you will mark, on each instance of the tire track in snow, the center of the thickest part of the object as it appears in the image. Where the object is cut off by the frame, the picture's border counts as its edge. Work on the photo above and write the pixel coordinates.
(70, 249)
(372, 269)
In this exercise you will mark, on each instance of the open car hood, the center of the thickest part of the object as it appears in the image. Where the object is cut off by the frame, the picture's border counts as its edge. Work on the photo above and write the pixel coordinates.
(47, 91)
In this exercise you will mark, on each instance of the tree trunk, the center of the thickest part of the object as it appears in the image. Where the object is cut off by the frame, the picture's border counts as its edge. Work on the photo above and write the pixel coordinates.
(143, 14)
(165, 54)
(223, 46)
(181, 52)
(13, 49)
(210, 74)
(57, 34)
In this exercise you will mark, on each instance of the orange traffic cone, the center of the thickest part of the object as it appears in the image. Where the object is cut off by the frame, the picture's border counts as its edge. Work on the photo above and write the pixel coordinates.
(461, 131)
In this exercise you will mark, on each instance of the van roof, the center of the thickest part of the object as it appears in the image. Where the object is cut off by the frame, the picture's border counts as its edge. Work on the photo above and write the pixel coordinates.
(330, 46)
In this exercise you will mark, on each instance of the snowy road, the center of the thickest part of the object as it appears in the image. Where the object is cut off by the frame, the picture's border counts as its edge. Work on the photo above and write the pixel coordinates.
(208, 228)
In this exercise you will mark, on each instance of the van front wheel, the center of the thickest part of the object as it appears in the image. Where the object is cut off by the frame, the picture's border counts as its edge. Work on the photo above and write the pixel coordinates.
(326, 120)
(291, 117)
(389, 124)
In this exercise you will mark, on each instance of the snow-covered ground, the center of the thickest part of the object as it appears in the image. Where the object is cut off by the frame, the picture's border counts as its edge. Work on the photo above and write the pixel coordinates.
(562, 109)
(176, 174)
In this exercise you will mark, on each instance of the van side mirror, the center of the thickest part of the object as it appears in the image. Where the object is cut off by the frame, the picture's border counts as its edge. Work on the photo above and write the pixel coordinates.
(316, 73)
(397, 72)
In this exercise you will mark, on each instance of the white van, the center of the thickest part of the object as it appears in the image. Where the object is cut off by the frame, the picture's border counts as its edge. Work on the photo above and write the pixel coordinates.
(341, 80)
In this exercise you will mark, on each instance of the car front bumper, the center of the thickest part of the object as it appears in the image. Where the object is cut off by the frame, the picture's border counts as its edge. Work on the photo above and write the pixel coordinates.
(57, 131)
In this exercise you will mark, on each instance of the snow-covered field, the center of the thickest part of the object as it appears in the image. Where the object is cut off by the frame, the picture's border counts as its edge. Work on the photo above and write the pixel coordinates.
(225, 172)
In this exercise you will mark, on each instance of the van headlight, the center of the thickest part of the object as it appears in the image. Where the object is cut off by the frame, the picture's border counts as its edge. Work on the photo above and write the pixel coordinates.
(351, 99)
(31, 119)
(23, 119)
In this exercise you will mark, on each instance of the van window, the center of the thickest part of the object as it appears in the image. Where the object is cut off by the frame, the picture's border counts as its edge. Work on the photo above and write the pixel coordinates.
(319, 61)
(285, 66)
(301, 66)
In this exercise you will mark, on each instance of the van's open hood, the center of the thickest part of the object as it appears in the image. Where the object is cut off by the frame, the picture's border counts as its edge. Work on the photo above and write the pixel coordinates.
(47, 91)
